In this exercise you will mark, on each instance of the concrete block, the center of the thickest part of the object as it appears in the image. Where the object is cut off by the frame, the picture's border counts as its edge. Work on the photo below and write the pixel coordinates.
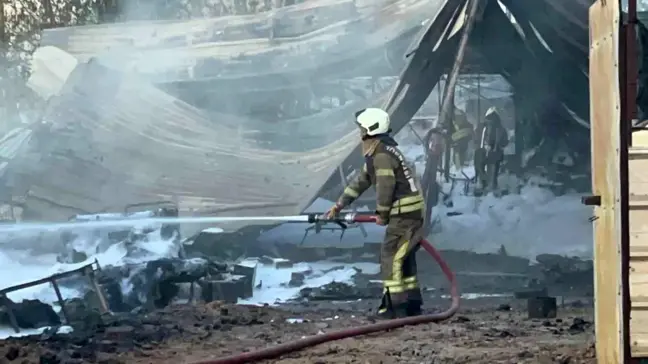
(542, 307)
(266, 260)
(296, 279)
(283, 263)
(248, 271)
(227, 290)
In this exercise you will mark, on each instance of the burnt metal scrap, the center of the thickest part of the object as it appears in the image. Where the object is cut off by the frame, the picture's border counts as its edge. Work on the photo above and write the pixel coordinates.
(134, 288)
(20, 317)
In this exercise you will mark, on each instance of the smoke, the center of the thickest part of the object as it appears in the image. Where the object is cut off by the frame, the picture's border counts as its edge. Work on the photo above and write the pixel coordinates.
(305, 56)
(213, 112)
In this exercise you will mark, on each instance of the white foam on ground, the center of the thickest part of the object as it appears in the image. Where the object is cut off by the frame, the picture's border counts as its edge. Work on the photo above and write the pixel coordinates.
(274, 281)
(7, 332)
(534, 221)
(526, 224)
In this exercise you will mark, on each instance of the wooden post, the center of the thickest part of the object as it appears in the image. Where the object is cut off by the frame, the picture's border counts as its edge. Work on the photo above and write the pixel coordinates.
(60, 301)
(102, 300)
(605, 93)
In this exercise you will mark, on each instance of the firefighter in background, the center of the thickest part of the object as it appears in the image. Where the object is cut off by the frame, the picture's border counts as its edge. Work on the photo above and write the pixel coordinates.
(399, 205)
(462, 134)
(493, 138)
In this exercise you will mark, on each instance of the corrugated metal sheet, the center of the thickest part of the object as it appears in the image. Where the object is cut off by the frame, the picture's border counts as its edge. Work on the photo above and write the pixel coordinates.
(12, 143)
(113, 140)
(176, 51)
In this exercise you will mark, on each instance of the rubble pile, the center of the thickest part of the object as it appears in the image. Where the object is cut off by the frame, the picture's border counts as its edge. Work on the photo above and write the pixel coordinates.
(340, 291)
(494, 273)
(157, 283)
(137, 289)
(123, 333)
(564, 274)
(30, 314)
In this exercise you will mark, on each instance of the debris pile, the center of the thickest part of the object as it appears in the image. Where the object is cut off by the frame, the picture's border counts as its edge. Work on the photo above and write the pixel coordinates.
(123, 333)
(564, 274)
(134, 288)
(340, 291)
(157, 283)
(29, 314)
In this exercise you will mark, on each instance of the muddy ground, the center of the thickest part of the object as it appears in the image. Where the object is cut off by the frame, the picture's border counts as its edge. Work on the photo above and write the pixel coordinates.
(485, 331)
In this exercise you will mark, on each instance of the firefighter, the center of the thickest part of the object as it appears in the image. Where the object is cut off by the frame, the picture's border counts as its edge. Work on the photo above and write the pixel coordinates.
(399, 206)
(493, 138)
(462, 134)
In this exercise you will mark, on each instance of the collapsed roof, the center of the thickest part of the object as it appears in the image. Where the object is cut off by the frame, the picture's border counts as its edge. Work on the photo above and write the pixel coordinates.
(110, 137)
(540, 47)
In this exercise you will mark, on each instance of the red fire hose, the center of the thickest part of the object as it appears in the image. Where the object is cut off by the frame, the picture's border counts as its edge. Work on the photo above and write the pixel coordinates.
(282, 349)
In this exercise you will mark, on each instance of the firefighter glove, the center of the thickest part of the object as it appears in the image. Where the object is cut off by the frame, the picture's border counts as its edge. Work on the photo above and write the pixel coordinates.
(333, 212)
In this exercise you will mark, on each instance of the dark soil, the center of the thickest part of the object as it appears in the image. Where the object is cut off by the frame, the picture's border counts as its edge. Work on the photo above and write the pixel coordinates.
(484, 331)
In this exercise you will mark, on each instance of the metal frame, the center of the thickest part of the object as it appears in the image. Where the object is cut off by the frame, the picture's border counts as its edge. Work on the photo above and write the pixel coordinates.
(87, 270)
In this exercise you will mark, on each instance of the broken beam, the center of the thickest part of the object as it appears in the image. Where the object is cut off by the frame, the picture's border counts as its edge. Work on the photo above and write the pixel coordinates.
(78, 271)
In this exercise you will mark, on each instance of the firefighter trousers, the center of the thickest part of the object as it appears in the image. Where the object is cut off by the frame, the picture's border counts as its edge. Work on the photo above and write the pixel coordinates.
(398, 262)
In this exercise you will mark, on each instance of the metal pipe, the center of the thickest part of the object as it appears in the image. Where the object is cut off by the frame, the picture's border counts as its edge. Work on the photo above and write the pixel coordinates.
(61, 302)
(432, 160)
(448, 98)
(456, 67)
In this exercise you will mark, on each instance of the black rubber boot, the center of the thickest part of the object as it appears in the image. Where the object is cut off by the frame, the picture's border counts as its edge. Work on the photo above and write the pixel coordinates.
(388, 310)
(397, 311)
(414, 308)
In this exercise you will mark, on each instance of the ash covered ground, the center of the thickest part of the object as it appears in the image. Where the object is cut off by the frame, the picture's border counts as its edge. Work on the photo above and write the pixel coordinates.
(486, 331)
(319, 297)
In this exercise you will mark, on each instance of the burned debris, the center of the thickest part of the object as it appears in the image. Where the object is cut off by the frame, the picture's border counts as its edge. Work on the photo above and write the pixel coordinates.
(104, 340)
(129, 289)
(28, 313)
(158, 283)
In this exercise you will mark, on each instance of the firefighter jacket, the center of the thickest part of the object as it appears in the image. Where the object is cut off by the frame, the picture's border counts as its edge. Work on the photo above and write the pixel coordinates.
(462, 128)
(398, 191)
(493, 134)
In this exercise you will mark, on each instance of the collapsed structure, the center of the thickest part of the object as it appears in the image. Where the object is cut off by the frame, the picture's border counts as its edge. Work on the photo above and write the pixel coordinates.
(540, 48)
(215, 121)
(111, 135)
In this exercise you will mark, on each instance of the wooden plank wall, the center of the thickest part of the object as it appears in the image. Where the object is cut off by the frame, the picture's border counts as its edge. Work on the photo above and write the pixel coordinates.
(605, 111)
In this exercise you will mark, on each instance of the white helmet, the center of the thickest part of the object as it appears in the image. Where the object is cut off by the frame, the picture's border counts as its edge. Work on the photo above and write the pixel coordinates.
(491, 110)
(373, 121)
